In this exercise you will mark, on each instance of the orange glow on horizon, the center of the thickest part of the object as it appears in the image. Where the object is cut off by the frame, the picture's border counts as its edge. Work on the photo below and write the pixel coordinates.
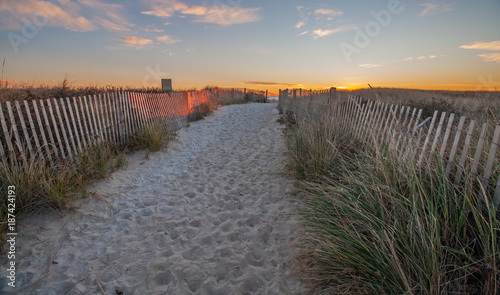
(272, 90)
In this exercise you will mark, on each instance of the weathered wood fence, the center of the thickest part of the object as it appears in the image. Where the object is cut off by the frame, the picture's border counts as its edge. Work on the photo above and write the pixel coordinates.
(54, 129)
(463, 145)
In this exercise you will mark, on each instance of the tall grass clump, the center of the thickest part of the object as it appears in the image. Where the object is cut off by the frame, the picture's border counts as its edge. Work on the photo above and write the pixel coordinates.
(315, 150)
(376, 224)
(41, 186)
(152, 137)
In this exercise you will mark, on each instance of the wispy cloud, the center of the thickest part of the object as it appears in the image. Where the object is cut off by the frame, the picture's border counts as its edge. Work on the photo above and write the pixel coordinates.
(322, 23)
(110, 16)
(319, 33)
(166, 39)
(137, 42)
(270, 83)
(81, 16)
(408, 59)
(369, 66)
(494, 45)
(431, 8)
(488, 57)
(224, 15)
(300, 24)
(12, 13)
(229, 16)
(330, 12)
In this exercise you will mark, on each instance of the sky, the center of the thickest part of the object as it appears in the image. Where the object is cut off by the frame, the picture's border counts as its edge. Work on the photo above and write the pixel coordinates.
(260, 44)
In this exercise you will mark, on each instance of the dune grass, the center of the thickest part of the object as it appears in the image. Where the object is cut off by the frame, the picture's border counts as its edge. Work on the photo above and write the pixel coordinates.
(40, 186)
(152, 138)
(374, 224)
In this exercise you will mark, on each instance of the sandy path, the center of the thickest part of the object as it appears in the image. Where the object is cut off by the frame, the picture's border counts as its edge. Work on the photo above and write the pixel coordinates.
(208, 215)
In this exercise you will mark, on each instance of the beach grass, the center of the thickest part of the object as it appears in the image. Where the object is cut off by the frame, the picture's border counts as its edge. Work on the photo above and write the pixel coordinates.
(375, 224)
(42, 186)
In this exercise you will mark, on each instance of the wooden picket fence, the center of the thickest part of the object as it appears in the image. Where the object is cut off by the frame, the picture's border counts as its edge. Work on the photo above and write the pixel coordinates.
(462, 145)
(54, 129)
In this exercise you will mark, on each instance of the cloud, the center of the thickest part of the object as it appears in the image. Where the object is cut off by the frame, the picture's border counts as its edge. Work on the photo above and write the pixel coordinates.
(151, 28)
(300, 25)
(166, 39)
(369, 66)
(422, 57)
(431, 8)
(319, 33)
(494, 45)
(138, 43)
(323, 19)
(12, 13)
(229, 16)
(109, 16)
(270, 83)
(224, 15)
(67, 14)
(330, 12)
(488, 57)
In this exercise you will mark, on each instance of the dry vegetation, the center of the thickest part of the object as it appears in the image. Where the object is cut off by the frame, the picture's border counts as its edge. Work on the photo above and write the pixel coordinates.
(375, 223)
(483, 106)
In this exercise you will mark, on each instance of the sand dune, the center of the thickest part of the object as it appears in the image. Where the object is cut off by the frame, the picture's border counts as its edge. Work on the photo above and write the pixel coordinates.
(208, 215)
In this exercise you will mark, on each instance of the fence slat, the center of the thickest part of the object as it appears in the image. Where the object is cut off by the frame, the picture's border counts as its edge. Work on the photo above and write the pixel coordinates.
(117, 113)
(16, 132)
(447, 135)
(392, 116)
(56, 131)
(85, 119)
(96, 117)
(42, 131)
(479, 149)
(8, 138)
(436, 136)
(75, 129)
(68, 124)
(66, 141)
(407, 135)
(496, 198)
(33, 131)
(112, 120)
(455, 146)
(81, 132)
(427, 138)
(92, 127)
(25, 130)
(360, 123)
(465, 152)
(491, 157)
(127, 115)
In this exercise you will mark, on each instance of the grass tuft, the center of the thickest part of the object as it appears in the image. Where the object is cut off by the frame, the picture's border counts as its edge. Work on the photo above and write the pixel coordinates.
(152, 138)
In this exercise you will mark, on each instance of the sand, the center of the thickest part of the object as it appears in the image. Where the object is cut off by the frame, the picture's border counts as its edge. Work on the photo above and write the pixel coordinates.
(210, 214)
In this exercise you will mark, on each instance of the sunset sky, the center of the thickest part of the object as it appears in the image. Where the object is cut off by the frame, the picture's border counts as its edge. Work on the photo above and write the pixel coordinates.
(254, 44)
